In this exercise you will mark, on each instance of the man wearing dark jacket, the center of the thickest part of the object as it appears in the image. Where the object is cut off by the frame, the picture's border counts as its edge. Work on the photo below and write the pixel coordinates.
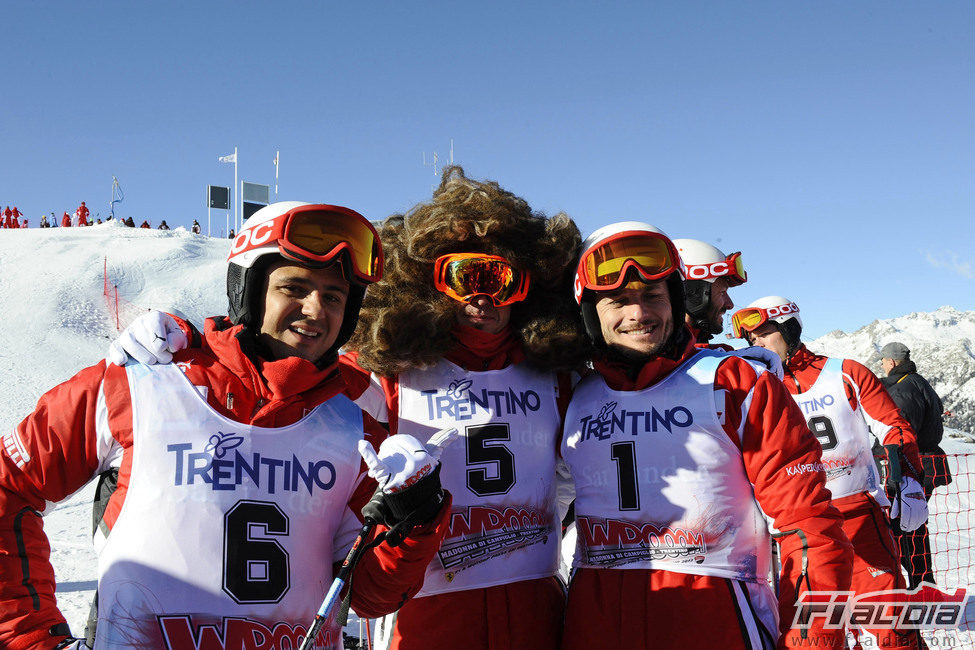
(922, 407)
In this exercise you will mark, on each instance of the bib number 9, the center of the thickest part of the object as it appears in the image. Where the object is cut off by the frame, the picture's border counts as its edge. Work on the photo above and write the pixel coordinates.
(822, 428)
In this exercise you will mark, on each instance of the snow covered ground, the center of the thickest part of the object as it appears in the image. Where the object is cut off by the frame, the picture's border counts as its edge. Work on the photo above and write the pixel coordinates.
(56, 322)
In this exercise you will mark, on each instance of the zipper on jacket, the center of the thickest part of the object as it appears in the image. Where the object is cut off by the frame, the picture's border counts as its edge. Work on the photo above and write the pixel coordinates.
(230, 402)
(804, 574)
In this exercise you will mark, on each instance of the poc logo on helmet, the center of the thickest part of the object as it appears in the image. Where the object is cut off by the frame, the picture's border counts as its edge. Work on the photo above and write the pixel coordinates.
(782, 310)
(252, 237)
(705, 271)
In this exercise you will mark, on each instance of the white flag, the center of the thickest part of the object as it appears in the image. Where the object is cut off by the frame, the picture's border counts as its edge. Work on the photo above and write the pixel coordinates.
(232, 158)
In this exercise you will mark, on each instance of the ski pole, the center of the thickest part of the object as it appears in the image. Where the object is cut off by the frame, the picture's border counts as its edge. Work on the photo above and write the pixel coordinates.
(332, 595)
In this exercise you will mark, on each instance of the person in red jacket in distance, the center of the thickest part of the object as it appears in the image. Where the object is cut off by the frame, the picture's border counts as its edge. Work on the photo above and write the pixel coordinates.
(673, 449)
(846, 406)
(239, 481)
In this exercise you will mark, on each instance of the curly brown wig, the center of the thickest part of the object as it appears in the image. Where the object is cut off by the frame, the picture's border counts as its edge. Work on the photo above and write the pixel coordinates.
(406, 322)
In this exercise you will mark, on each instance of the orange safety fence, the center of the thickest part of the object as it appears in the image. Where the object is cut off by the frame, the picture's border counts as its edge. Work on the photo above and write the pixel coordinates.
(121, 311)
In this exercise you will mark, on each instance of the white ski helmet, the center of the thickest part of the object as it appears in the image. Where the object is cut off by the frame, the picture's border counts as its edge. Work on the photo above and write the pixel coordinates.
(776, 309)
(704, 264)
(312, 235)
(655, 258)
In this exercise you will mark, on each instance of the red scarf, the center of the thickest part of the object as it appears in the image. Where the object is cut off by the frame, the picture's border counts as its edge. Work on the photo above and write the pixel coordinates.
(479, 350)
(619, 374)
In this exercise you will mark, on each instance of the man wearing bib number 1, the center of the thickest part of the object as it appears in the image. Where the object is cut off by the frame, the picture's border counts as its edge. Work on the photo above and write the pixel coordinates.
(845, 405)
(676, 453)
(237, 476)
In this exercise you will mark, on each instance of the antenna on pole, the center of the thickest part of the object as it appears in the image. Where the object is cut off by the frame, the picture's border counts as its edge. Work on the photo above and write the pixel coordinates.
(436, 159)
(434, 163)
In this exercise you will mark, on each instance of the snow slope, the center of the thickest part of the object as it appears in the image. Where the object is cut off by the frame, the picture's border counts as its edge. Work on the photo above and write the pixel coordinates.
(56, 322)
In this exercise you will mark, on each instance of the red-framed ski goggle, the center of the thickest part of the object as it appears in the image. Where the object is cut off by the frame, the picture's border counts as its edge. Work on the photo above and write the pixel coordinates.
(751, 318)
(316, 235)
(731, 268)
(604, 267)
(462, 276)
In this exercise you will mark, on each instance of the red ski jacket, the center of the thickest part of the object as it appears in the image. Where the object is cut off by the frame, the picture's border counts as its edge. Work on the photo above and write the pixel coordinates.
(780, 456)
(58, 448)
(492, 618)
(803, 368)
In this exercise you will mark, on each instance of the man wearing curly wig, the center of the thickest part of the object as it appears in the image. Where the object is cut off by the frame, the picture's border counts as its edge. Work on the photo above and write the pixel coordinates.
(469, 328)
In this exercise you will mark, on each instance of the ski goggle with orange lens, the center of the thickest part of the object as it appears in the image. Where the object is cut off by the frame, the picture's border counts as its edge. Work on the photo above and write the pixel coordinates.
(731, 268)
(604, 267)
(316, 235)
(751, 318)
(462, 276)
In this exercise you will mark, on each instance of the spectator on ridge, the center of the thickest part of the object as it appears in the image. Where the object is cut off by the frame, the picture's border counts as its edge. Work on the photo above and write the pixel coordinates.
(196, 227)
(163, 225)
(66, 221)
(145, 224)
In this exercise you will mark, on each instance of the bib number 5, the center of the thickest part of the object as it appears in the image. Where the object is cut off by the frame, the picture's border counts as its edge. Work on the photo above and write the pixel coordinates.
(485, 446)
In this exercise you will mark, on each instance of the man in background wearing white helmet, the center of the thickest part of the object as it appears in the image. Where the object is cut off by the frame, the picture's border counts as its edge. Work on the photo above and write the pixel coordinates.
(844, 403)
(675, 453)
(710, 273)
(238, 469)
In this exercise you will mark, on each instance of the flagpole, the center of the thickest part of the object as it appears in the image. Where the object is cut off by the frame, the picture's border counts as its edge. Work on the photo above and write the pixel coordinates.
(236, 202)
(277, 158)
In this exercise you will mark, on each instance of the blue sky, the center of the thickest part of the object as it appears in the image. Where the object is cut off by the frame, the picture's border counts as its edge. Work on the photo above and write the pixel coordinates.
(833, 143)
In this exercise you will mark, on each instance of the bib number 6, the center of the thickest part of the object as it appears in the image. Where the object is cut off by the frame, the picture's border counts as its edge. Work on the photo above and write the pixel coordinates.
(256, 567)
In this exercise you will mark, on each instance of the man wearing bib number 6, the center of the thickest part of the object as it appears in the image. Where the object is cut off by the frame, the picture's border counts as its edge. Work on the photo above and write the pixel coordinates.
(236, 470)
(676, 452)
(844, 403)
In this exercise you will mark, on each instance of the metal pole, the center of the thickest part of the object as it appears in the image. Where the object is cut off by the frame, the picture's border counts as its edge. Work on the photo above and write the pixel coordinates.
(236, 202)
(208, 217)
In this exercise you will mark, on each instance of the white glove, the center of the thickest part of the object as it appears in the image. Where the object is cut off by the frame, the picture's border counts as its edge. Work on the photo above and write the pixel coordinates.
(910, 505)
(150, 339)
(408, 473)
(762, 355)
(403, 460)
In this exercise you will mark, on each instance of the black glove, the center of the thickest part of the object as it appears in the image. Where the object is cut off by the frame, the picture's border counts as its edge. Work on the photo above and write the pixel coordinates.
(412, 506)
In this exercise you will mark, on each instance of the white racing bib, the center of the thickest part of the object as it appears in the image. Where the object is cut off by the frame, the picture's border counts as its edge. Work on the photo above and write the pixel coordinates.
(225, 538)
(659, 484)
(501, 472)
(843, 433)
